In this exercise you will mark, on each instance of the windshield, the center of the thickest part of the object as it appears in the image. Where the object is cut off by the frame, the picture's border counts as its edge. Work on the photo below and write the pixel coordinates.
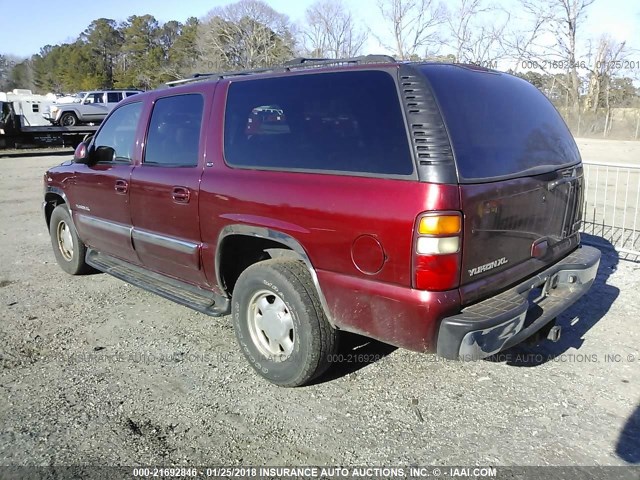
(78, 97)
(500, 125)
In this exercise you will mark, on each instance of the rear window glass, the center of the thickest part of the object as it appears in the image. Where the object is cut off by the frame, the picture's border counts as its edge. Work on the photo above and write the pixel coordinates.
(347, 121)
(499, 124)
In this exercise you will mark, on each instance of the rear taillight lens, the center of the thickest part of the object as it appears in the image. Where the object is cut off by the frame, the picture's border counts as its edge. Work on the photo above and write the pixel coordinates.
(437, 250)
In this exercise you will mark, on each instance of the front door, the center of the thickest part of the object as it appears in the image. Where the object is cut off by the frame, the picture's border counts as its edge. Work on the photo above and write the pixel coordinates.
(100, 194)
(165, 189)
(95, 107)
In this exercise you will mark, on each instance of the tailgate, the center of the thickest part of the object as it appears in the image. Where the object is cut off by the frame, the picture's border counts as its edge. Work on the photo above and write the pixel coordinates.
(520, 225)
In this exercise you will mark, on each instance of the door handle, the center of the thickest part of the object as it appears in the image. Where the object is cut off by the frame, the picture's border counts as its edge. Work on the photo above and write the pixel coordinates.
(121, 186)
(181, 194)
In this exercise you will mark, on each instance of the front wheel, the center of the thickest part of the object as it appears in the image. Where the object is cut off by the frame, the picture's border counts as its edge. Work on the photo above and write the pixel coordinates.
(67, 247)
(280, 324)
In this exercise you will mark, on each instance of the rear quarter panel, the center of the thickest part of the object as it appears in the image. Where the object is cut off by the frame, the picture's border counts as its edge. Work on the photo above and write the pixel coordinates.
(326, 213)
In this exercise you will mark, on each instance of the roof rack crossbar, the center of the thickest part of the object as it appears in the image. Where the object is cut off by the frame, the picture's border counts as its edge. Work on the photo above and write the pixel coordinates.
(294, 64)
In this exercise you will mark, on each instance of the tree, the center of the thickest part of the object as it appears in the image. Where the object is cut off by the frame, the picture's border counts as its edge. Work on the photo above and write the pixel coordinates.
(601, 70)
(474, 30)
(141, 53)
(104, 40)
(66, 68)
(44, 68)
(21, 76)
(5, 70)
(245, 34)
(331, 31)
(181, 55)
(414, 26)
(8, 65)
(168, 35)
(560, 20)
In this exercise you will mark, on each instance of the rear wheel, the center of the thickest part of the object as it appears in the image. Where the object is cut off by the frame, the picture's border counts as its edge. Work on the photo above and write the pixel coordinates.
(280, 324)
(67, 247)
(68, 119)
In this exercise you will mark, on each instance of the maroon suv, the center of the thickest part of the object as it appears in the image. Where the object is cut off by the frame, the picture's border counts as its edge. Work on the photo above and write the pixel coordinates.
(431, 206)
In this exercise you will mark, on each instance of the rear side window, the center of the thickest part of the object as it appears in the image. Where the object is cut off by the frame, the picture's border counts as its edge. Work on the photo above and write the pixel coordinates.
(499, 125)
(347, 121)
(174, 131)
(114, 97)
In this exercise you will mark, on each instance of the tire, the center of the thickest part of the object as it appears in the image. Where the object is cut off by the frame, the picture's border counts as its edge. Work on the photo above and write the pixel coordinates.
(280, 324)
(67, 247)
(68, 119)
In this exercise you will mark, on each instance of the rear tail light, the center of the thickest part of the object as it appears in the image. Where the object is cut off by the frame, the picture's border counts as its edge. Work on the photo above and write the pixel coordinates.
(437, 251)
(439, 224)
(437, 246)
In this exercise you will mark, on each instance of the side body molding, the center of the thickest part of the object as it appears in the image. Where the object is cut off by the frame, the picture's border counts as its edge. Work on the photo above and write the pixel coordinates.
(296, 252)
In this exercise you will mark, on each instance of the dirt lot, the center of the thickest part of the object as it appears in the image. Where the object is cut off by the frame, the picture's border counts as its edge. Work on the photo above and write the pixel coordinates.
(609, 151)
(93, 371)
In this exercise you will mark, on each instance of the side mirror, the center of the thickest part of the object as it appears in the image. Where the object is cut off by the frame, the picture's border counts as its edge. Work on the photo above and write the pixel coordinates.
(103, 154)
(91, 155)
(81, 155)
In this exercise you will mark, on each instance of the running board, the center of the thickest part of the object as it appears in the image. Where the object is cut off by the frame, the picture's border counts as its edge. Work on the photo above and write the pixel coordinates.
(203, 301)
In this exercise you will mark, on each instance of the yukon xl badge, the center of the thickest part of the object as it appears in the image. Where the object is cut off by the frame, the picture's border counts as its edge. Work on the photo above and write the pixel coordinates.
(488, 266)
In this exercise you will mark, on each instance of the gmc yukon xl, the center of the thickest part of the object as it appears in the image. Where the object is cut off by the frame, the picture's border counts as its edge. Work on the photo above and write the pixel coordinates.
(435, 207)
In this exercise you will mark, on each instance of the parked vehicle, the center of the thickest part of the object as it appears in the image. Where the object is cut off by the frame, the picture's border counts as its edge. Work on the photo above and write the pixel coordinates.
(435, 207)
(88, 107)
(22, 123)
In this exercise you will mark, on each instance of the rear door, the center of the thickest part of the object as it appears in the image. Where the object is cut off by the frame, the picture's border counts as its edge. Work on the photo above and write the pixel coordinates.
(113, 98)
(519, 172)
(165, 189)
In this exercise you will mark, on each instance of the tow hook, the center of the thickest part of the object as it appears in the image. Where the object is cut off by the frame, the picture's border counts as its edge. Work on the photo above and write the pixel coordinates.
(554, 333)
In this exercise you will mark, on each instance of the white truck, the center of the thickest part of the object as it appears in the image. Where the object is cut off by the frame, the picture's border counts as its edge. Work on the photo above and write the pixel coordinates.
(22, 122)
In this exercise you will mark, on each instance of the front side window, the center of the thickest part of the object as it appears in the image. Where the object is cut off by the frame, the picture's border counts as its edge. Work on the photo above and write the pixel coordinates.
(95, 98)
(346, 121)
(174, 131)
(79, 97)
(119, 131)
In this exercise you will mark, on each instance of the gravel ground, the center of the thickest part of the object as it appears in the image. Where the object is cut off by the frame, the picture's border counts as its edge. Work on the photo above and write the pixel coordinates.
(609, 151)
(94, 371)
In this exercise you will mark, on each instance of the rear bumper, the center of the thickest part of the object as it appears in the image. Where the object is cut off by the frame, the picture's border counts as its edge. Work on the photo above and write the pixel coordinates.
(508, 318)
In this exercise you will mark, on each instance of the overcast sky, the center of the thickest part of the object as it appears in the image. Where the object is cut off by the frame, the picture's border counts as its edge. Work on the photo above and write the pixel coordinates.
(27, 26)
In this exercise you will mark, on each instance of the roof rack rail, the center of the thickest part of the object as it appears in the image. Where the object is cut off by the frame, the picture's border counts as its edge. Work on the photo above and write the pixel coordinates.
(294, 64)
(303, 60)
